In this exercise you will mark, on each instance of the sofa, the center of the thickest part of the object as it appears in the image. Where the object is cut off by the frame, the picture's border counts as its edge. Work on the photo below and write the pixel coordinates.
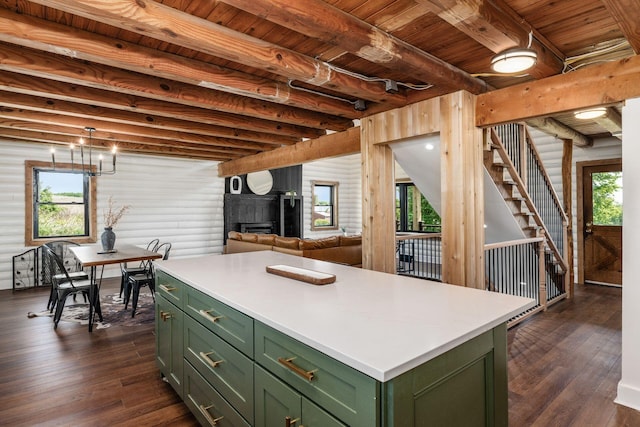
(339, 249)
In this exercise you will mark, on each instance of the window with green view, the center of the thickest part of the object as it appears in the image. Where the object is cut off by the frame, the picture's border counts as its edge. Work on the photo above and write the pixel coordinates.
(61, 204)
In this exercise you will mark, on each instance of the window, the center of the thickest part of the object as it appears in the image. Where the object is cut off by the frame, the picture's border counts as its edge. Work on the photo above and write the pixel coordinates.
(413, 211)
(324, 214)
(60, 204)
(607, 198)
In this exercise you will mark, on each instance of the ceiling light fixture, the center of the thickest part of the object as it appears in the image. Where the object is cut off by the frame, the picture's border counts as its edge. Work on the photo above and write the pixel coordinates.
(591, 113)
(515, 59)
(88, 169)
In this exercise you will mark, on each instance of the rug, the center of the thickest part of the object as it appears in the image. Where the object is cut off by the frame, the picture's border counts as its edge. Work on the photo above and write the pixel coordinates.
(113, 312)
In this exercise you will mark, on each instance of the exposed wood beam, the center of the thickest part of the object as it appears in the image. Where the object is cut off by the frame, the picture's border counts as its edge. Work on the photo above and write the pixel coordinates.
(596, 85)
(495, 27)
(55, 67)
(130, 130)
(180, 28)
(332, 145)
(54, 134)
(329, 24)
(611, 121)
(34, 86)
(560, 130)
(61, 144)
(47, 105)
(40, 34)
(628, 22)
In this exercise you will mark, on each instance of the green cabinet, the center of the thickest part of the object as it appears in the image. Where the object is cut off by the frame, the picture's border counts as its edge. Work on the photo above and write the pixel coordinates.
(233, 370)
(169, 343)
(277, 403)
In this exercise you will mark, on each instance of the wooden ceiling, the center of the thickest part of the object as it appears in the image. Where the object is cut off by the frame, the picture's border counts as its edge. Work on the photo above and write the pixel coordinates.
(226, 79)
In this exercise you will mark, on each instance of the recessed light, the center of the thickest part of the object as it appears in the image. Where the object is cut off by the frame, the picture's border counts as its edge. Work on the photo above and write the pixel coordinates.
(592, 113)
(429, 146)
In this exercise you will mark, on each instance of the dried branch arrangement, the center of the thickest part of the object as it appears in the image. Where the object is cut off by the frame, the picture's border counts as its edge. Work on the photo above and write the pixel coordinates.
(113, 215)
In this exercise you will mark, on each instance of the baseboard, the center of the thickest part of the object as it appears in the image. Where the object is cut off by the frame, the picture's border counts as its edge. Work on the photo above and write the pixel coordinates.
(628, 396)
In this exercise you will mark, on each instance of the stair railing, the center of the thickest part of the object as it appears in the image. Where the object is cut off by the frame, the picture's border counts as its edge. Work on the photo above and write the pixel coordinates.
(525, 169)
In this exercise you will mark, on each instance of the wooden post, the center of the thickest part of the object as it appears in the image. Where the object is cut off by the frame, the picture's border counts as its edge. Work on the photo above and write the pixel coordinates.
(462, 192)
(567, 197)
(378, 203)
(542, 289)
(417, 209)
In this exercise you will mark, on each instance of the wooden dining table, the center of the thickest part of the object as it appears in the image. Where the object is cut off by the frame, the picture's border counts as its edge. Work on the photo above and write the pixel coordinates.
(93, 256)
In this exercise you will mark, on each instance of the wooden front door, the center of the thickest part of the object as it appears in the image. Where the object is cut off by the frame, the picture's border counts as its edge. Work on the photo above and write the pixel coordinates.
(601, 224)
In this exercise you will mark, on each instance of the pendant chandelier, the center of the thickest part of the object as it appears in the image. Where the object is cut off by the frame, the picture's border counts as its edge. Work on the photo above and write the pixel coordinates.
(87, 168)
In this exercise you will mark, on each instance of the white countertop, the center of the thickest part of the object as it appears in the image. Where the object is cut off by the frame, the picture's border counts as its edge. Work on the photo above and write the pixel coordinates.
(380, 324)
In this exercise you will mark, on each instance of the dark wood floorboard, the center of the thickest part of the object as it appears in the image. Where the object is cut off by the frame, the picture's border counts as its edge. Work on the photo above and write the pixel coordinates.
(69, 377)
(564, 367)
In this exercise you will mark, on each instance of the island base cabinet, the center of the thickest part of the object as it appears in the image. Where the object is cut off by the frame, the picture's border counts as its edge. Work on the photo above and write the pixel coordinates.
(205, 402)
(467, 386)
(169, 342)
(276, 402)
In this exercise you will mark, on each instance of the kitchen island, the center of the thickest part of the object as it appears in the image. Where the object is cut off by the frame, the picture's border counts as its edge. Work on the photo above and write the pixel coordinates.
(370, 349)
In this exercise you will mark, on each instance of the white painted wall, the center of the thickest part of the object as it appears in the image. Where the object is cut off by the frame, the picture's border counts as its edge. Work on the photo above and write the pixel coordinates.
(177, 201)
(346, 171)
(423, 167)
(629, 385)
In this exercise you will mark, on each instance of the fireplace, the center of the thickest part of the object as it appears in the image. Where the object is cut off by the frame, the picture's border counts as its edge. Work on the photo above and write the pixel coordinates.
(257, 227)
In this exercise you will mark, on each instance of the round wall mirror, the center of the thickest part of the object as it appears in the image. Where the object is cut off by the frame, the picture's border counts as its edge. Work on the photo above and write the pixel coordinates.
(260, 182)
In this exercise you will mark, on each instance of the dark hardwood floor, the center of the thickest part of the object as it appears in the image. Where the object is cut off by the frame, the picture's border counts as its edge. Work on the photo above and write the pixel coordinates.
(564, 367)
(70, 377)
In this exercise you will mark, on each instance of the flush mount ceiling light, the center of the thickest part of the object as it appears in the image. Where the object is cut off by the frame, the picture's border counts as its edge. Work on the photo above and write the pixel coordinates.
(591, 113)
(515, 59)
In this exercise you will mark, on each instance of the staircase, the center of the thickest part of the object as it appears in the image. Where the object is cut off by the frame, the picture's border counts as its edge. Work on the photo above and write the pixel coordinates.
(514, 164)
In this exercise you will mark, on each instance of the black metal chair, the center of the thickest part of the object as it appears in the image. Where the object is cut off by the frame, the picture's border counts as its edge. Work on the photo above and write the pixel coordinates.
(136, 281)
(140, 269)
(64, 285)
(71, 267)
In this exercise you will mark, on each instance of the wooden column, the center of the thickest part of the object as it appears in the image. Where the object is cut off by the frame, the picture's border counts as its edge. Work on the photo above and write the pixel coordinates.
(462, 192)
(378, 202)
(567, 199)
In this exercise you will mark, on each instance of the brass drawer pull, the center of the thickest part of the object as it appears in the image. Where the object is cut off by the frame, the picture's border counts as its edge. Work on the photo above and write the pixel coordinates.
(206, 358)
(168, 288)
(165, 315)
(288, 422)
(205, 412)
(207, 314)
(308, 375)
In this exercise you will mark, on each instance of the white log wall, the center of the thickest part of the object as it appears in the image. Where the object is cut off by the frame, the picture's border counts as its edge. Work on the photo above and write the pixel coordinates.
(175, 200)
(550, 149)
(346, 171)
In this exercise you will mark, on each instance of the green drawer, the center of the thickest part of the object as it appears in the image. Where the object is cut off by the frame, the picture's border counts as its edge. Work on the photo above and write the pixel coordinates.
(206, 403)
(348, 394)
(226, 322)
(170, 288)
(225, 368)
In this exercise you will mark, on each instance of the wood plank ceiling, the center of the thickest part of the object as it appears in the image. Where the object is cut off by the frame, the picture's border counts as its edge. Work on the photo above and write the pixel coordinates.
(225, 79)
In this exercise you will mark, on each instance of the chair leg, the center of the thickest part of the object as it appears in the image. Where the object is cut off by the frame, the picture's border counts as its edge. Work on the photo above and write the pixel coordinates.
(136, 293)
(59, 307)
(123, 283)
(127, 294)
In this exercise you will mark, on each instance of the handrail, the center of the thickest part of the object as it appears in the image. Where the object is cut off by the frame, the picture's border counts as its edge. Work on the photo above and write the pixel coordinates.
(417, 236)
(506, 244)
(547, 179)
(523, 191)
